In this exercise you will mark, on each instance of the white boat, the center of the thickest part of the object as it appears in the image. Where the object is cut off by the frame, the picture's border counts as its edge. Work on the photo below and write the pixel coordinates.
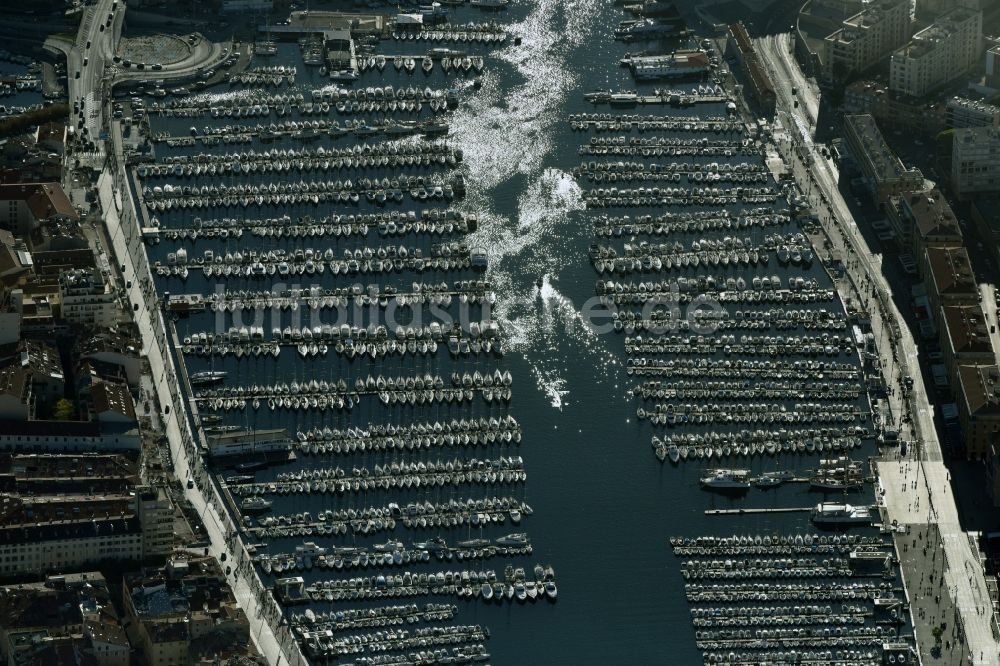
(255, 504)
(836, 513)
(489, 4)
(727, 480)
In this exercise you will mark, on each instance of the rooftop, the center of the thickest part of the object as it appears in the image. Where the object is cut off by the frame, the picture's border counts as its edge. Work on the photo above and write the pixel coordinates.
(69, 529)
(931, 214)
(980, 386)
(14, 382)
(967, 329)
(951, 272)
(881, 159)
(871, 15)
(109, 397)
(44, 199)
(973, 105)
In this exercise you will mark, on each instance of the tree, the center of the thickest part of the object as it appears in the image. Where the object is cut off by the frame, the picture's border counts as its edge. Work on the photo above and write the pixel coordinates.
(28, 119)
(936, 632)
(64, 410)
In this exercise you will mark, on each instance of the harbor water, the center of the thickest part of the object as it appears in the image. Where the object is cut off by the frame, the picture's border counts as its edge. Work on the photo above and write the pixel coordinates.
(603, 505)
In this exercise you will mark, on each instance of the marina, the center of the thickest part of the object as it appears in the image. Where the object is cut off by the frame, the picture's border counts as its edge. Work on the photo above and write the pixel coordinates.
(365, 263)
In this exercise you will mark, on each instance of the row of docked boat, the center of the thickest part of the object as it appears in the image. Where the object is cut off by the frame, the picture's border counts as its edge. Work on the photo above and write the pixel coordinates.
(263, 104)
(758, 412)
(778, 544)
(792, 388)
(774, 618)
(327, 401)
(743, 390)
(473, 292)
(665, 147)
(345, 619)
(323, 646)
(455, 512)
(306, 130)
(698, 284)
(375, 190)
(273, 161)
(486, 33)
(397, 476)
(481, 431)
(392, 223)
(745, 345)
(775, 657)
(751, 320)
(687, 222)
(433, 332)
(391, 553)
(653, 197)
(697, 446)
(771, 591)
(471, 584)
(613, 122)
(810, 369)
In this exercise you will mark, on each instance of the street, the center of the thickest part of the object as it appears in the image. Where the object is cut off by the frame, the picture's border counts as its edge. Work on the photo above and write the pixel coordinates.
(866, 285)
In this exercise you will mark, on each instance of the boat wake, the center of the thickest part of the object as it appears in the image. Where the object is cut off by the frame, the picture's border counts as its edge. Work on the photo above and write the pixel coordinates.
(508, 131)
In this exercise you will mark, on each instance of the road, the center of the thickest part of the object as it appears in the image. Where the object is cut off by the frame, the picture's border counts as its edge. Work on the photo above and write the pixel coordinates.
(818, 179)
(90, 55)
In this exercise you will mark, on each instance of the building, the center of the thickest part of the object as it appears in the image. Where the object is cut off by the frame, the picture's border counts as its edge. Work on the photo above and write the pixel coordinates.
(938, 54)
(34, 547)
(111, 403)
(156, 513)
(24, 436)
(963, 112)
(16, 401)
(67, 619)
(759, 83)
(993, 66)
(865, 38)
(978, 400)
(87, 300)
(884, 173)
(44, 367)
(975, 161)
(23, 206)
(892, 110)
(949, 278)
(184, 611)
(923, 219)
(965, 337)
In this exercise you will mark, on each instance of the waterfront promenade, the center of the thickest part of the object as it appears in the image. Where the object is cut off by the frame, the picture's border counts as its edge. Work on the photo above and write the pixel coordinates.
(867, 287)
(123, 235)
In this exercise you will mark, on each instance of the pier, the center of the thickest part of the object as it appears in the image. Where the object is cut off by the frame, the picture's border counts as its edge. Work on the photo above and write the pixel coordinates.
(749, 510)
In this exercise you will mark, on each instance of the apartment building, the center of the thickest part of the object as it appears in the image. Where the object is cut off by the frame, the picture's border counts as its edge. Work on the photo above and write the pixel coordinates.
(87, 300)
(156, 513)
(884, 173)
(865, 38)
(975, 161)
(978, 399)
(938, 54)
(184, 611)
(962, 112)
(71, 543)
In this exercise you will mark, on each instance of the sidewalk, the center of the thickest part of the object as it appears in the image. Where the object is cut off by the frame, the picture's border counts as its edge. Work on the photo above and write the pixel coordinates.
(262, 610)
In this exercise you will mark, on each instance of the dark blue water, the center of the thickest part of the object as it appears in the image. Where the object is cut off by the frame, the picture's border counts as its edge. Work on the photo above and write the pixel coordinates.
(604, 507)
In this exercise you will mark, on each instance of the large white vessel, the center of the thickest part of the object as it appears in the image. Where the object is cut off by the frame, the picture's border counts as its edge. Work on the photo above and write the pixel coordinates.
(679, 64)
(255, 504)
(727, 480)
(836, 513)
